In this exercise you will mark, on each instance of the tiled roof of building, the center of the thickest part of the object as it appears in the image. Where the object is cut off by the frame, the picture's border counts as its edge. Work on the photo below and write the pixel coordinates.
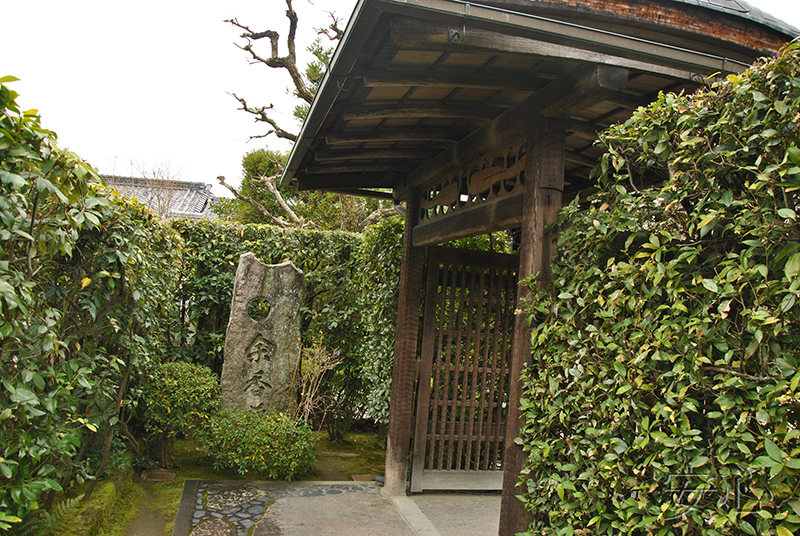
(168, 198)
(745, 10)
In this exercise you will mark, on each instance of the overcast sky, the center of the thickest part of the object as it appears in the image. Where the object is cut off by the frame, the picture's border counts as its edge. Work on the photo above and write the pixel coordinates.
(148, 83)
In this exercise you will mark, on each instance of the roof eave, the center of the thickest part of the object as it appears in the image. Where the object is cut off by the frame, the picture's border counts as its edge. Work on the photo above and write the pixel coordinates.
(615, 48)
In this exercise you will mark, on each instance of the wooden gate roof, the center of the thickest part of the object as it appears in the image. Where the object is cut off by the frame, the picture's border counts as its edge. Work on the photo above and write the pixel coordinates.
(411, 78)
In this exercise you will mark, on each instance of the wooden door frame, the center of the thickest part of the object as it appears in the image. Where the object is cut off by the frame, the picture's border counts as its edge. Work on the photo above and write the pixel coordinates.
(434, 349)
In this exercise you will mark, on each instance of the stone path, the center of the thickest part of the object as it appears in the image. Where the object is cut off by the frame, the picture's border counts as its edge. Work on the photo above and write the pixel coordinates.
(268, 508)
(235, 509)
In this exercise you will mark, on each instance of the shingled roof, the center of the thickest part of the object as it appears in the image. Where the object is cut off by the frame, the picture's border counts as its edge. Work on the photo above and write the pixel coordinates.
(168, 198)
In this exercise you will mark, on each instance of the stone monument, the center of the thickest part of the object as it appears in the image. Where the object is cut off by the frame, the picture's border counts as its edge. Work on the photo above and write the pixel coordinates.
(262, 343)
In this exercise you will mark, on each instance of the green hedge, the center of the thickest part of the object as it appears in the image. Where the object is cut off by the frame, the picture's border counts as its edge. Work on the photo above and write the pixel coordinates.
(211, 254)
(663, 395)
(86, 282)
(329, 313)
(380, 259)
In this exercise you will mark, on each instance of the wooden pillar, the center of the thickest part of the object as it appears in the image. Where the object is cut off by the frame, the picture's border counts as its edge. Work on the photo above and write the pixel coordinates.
(401, 410)
(542, 200)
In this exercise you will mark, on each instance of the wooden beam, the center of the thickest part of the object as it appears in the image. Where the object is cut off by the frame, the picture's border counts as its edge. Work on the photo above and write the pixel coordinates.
(577, 185)
(354, 180)
(577, 158)
(541, 203)
(404, 111)
(583, 127)
(564, 43)
(628, 101)
(359, 192)
(572, 178)
(428, 78)
(327, 169)
(416, 154)
(401, 407)
(559, 99)
(497, 215)
(398, 134)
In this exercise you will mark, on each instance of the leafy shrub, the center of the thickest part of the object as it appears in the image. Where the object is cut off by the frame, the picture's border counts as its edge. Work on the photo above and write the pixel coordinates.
(380, 258)
(178, 398)
(273, 445)
(666, 351)
(84, 277)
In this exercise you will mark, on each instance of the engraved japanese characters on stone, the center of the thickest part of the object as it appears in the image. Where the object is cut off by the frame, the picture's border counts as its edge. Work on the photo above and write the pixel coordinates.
(259, 383)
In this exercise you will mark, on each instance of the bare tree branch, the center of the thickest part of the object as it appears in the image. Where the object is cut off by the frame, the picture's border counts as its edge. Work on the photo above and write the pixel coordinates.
(280, 222)
(270, 183)
(261, 116)
(376, 216)
(288, 62)
(332, 32)
(352, 211)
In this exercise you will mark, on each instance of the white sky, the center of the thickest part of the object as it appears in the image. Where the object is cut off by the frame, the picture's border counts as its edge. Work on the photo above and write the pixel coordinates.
(148, 83)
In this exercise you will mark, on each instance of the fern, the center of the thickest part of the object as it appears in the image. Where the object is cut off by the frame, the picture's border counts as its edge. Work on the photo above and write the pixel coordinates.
(45, 523)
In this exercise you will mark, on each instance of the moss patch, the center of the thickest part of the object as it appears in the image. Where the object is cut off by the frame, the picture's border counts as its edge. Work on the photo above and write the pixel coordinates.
(361, 454)
(110, 509)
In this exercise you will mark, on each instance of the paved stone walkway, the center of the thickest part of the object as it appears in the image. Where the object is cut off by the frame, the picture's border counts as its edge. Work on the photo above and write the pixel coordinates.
(236, 508)
(266, 508)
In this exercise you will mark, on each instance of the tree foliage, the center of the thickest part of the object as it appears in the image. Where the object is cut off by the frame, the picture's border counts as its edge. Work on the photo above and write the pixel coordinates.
(663, 394)
(83, 275)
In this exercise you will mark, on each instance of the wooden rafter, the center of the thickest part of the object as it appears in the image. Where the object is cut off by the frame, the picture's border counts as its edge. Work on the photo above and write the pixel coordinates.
(560, 98)
(404, 111)
(394, 134)
(428, 78)
(344, 155)
(353, 180)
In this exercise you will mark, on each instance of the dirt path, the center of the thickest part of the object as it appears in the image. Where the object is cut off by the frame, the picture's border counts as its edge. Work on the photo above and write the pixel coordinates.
(149, 522)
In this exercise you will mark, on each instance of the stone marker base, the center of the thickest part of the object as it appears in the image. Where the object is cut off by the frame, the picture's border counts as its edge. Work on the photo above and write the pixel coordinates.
(158, 475)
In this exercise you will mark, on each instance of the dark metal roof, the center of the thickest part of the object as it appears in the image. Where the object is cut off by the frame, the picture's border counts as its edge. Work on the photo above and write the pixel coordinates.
(410, 78)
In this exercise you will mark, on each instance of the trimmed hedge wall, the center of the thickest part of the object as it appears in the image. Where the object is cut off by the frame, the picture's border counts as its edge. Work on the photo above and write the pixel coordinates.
(664, 392)
(329, 313)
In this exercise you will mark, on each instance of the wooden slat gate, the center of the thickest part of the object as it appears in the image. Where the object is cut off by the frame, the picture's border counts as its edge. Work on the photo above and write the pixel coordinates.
(463, 371)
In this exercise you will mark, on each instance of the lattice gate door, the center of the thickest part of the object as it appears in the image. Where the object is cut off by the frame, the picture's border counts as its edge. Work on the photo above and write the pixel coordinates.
(463, 374)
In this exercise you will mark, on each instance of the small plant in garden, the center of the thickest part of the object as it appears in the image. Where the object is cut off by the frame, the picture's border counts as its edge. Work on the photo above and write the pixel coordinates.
(178, 398)
(314, 364)
(273, 444)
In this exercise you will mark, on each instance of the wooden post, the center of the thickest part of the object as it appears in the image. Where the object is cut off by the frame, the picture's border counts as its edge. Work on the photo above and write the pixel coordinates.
(542, 200)
(401, 410)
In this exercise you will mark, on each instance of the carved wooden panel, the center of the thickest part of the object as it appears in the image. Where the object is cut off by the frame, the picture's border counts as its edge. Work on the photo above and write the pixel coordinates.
(492, 177)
